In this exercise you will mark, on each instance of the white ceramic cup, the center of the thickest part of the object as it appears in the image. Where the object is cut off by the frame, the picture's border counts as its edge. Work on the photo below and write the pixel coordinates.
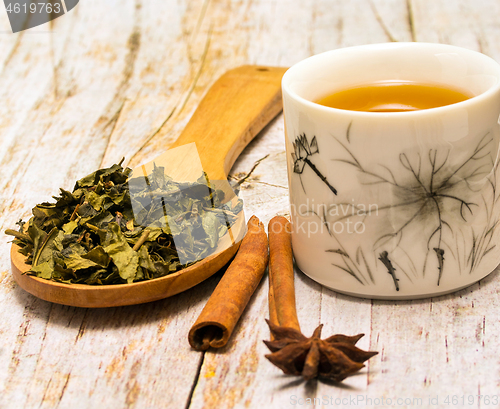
(394, 205)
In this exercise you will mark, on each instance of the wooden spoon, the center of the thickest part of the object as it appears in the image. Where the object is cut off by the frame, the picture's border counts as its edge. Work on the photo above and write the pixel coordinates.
(234, 110)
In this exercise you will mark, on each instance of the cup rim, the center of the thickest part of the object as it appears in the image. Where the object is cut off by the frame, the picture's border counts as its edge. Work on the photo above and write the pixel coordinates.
(285, 83)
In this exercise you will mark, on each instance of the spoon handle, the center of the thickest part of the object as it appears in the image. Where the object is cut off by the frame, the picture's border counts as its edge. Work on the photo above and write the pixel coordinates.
(231, 114)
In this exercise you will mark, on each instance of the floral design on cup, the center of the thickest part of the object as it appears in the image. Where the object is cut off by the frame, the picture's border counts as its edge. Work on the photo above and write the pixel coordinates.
(426, 187)
(302, 151)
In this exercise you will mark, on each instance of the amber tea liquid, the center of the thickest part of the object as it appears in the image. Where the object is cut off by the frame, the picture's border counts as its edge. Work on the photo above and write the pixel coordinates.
(394, 96)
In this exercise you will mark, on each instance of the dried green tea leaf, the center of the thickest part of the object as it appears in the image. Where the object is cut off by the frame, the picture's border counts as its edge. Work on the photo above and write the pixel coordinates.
(96, 233)
(211, 227)
(125, 259)
(76, 262)
(44, 270)
(145, 260)
(50, 243)
(99, 256)
(69, 227)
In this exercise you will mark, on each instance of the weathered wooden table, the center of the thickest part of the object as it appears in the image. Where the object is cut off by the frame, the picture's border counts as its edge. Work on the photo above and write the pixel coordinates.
(121, 78)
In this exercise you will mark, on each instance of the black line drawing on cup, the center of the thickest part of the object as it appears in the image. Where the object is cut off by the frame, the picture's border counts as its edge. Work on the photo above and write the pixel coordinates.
(426, 190)
(302, 151)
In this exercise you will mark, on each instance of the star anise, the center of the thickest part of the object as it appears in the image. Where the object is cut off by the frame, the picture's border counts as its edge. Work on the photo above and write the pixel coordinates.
(334, 358)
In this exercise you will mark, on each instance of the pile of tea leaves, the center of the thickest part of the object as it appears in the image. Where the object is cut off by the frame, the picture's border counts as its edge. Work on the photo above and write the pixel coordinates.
(114, 230)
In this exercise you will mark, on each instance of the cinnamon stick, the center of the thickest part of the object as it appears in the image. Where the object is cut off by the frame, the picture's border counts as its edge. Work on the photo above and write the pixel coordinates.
(281, 276)
(273, 316)
(216, 322)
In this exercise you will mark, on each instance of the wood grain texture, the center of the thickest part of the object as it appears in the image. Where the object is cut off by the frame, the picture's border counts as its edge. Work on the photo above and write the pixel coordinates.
(113, 79)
